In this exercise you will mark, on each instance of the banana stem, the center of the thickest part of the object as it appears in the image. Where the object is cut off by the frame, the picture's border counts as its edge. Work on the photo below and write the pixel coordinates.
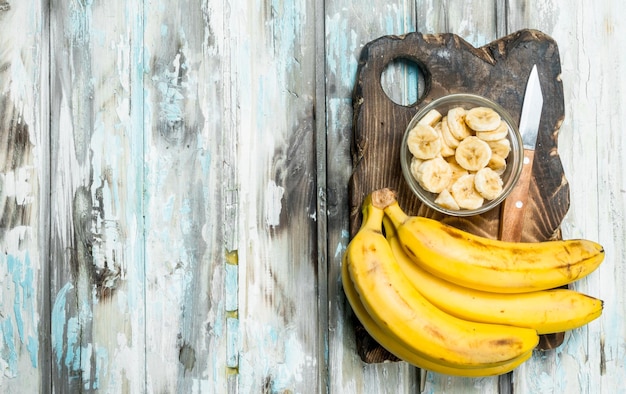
(396, 214)
(382, 198)
(385, 199)
(372, 216)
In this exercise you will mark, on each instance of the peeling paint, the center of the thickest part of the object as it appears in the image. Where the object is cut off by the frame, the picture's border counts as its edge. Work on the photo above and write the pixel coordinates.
(273, 203)
(343, 244)
(59, 319)
(291, 362)
(9, 350)
(84, 362)
(18, 329)
(155, 110)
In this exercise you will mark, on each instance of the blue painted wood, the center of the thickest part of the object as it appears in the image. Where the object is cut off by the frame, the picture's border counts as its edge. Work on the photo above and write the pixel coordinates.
(24, 343)
(172, 213)
(97, 237)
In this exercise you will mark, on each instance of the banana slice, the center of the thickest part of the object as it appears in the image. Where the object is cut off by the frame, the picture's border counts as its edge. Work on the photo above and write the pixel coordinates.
(446, 200)
(473, 153)
(446, 150)
(482, 119)
(497, 163)
(431, 118)
(456, 123)
(424, 142)
(457, 170)
(501, 147)
(465, 193)
(488, 183)
(448, 138)
(494, 135)
(434, 175)
(415, 164)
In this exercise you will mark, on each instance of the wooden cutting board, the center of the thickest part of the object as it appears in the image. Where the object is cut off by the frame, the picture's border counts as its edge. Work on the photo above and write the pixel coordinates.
(449, 64)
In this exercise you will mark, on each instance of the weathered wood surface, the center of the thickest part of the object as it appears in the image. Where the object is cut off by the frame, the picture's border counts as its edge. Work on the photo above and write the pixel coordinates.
(174, 196)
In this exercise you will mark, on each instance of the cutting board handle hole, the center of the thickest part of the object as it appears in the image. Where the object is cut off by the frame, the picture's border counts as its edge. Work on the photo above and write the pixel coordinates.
(403, 81)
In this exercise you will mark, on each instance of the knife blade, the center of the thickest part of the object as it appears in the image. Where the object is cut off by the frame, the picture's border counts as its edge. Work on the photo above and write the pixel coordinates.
(513, 207)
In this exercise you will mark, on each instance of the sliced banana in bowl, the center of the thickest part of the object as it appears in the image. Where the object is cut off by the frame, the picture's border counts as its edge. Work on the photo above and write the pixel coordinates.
(462, 154)
(434, 175)
(473, 153)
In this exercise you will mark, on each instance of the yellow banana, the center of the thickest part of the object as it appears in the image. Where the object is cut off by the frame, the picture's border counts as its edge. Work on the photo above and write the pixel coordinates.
(400, 310)
(397, 348)
(547, 311)
(487, 264)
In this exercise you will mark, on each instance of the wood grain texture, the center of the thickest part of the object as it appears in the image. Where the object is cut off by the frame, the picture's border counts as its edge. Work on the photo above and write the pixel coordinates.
(186, 268)
(97, 264)
(24, 150)
(274, 96)
(174, 191)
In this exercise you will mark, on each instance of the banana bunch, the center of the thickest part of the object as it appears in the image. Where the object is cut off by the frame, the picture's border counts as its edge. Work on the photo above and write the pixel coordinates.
(451, 302)
(460, 156)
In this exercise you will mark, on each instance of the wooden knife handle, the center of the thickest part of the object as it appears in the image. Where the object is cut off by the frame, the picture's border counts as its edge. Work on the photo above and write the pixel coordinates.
(514, 206)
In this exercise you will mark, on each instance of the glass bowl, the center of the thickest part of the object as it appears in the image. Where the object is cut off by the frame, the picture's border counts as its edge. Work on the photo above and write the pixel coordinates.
(509, 175)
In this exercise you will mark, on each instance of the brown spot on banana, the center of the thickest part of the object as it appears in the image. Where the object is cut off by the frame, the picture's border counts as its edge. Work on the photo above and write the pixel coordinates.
(505, 342)
(410, 251)
(434, 331)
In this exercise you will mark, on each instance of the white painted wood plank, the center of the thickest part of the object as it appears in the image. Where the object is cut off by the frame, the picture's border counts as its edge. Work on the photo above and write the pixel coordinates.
(273, 80)
(23, 197)
(348, 28)
(474, 21)
(97, 275)
(191, 270)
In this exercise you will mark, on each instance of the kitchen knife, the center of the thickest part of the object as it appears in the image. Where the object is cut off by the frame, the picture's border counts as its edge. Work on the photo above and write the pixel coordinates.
(514, 206)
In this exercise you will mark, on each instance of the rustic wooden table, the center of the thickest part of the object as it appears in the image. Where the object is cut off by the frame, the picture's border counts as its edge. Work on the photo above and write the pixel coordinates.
(174, 202)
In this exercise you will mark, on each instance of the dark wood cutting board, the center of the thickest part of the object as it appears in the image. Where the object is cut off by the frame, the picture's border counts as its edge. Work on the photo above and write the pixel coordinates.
(449, 64)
